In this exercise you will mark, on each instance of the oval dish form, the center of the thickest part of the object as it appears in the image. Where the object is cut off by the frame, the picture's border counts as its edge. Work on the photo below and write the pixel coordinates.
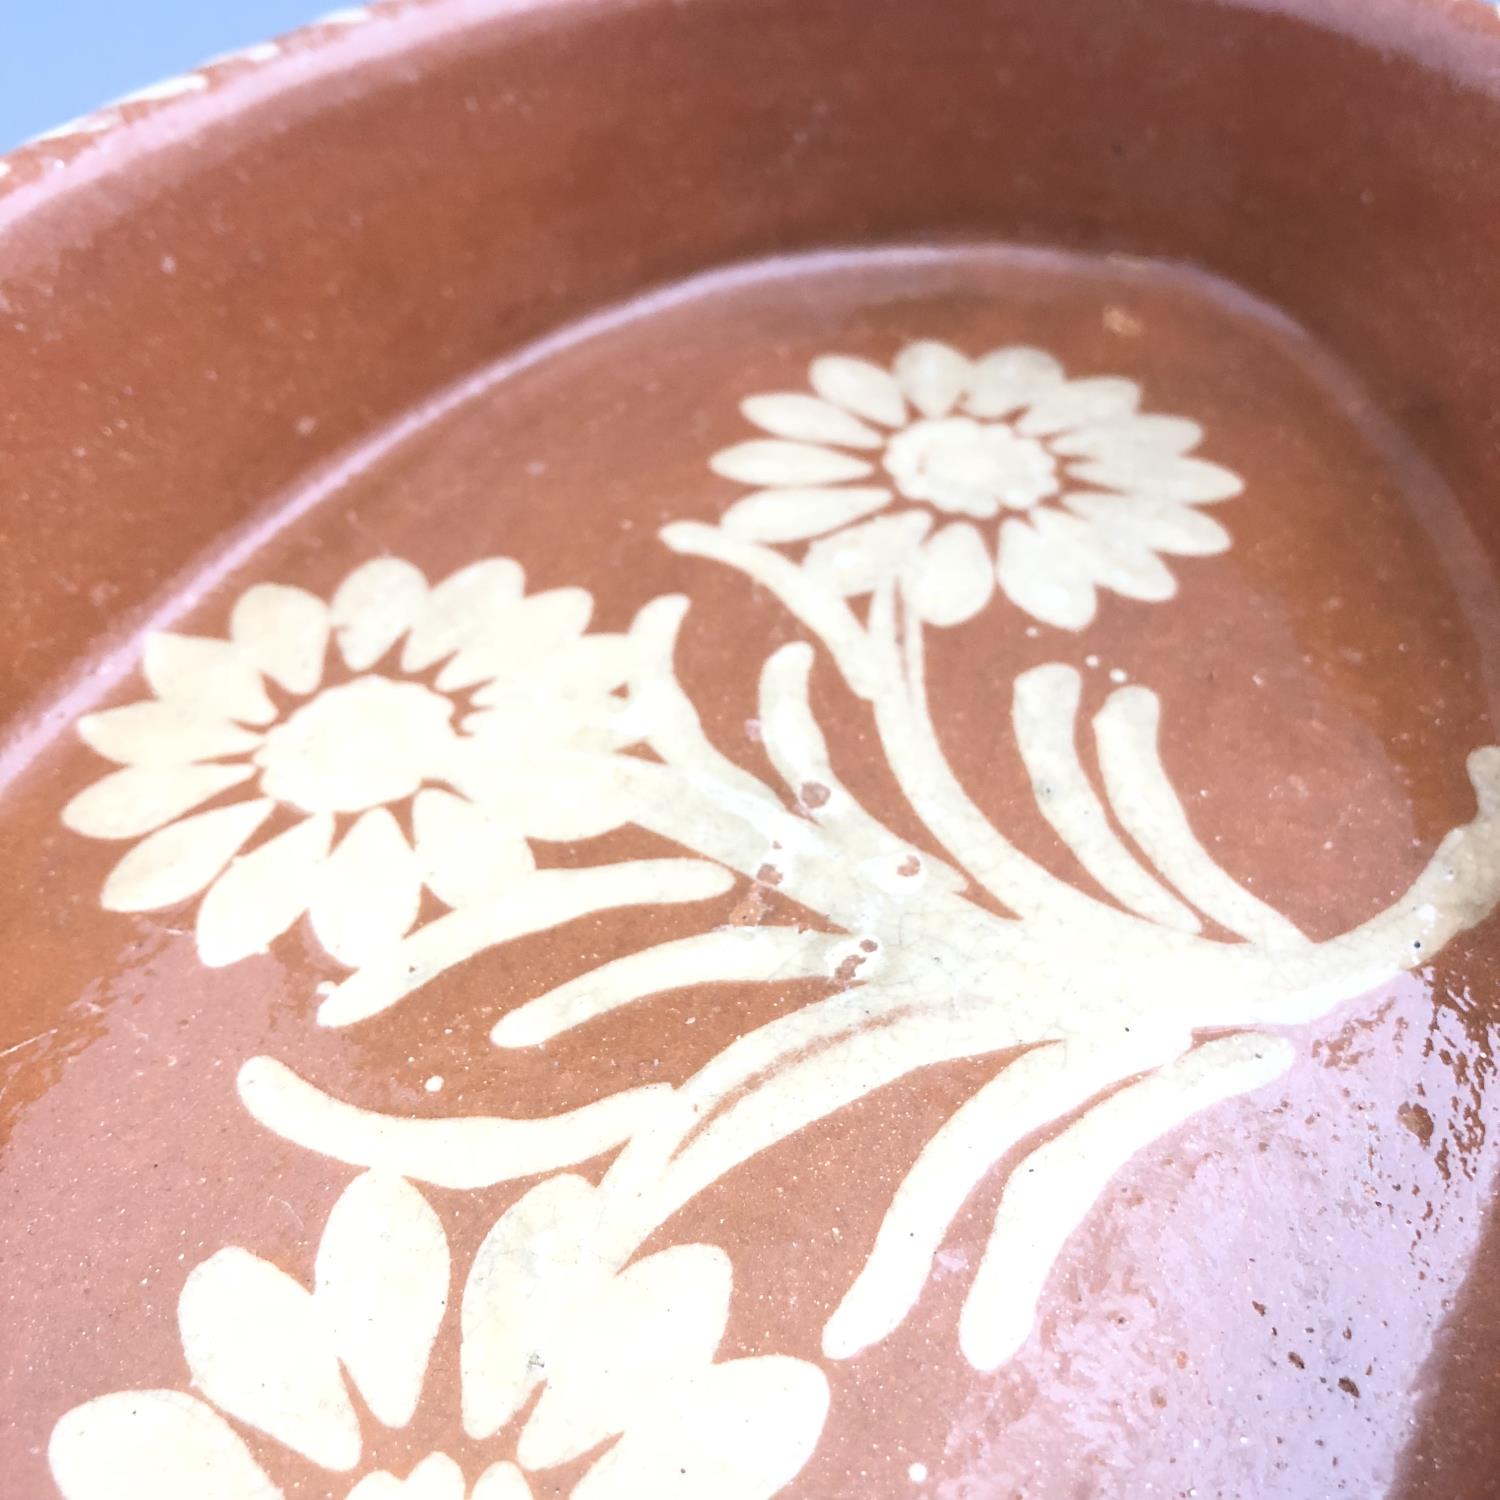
(749, 748)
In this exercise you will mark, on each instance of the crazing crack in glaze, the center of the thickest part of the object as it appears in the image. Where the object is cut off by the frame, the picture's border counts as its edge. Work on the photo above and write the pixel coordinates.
(496, 719)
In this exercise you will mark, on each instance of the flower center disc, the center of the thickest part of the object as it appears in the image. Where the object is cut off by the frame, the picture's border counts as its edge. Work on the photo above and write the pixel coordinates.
(970, 467)
(358, 745)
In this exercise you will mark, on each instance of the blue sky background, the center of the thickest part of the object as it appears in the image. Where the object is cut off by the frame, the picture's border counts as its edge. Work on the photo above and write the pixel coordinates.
(61, 58)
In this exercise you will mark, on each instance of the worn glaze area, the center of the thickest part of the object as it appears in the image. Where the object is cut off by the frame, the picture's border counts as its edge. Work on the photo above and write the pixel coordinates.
(871, 876)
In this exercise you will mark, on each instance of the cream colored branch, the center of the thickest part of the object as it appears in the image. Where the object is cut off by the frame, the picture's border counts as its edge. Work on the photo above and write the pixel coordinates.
(818, 607)
(470, 1152)
(1044, 711)
(1048, 1194)
(1150, 811)
(545, 899)
(728, 955)
(927, 781)
(1030, 1093)
(799, 752)
(829, 855)
(805, 1066)
(875, 667)
(664, 715)
(1459, 887)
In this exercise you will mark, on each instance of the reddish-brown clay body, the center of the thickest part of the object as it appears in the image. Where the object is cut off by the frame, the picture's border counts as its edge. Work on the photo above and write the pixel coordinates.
(233, 329)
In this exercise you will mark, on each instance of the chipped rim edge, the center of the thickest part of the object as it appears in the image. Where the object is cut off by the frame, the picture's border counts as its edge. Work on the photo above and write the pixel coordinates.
(44, 154)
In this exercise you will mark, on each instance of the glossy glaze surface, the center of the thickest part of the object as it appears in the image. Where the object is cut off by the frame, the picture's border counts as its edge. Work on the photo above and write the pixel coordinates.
(716, 758)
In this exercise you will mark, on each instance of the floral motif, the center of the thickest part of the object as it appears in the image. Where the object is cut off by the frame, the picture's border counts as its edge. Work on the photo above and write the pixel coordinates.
(1113, 1008)
(486, 728)
(1088, 490)
(627, 1355)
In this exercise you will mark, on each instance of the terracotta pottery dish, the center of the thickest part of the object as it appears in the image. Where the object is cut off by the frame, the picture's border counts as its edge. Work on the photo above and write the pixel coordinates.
(750, 748)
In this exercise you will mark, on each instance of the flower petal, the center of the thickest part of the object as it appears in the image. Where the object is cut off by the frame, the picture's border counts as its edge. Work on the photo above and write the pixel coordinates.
(795, 515)
(179, 860)
(464, 609)
(262, 893)
(284, 631)
(533, 1266)
(257, 1349)
(552, 619)
(214, 678)
(859, 559)
(368, 892)
(1079, 403)
(437, 1477)
(776, 462)
(1112, 557)
(1156, 476)
(374, 607)
(740, 1431)
(467, 855)
(588, 668)
(953, 577)
(523, 720)
(1129, 437)
(549, 793)
(651, 1326)
(859, 387)
(1042, 576)
(598, 663)
(154, 733)
(531, 629)
(562, 727)
(933, 376)
(806, 419)
(501, 1481)
(1007, 379)
(382, 1288)
(1176, 529)
(152, 1445)
(128, 803)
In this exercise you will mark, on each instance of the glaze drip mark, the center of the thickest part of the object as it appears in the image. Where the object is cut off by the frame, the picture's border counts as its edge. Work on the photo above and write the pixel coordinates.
(935, 490)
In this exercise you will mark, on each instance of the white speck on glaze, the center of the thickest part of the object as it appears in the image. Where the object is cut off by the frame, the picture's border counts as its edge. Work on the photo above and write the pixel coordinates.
(257, 52)
(80, 125)
(168, 88)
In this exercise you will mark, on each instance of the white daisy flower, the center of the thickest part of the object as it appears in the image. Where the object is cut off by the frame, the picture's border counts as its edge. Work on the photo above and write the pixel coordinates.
(273, 1359)
(1086, 489)
(487, 727)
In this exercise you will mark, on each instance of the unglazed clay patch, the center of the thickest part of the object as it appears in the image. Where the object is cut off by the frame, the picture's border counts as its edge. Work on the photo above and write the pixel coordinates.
(390, 770)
